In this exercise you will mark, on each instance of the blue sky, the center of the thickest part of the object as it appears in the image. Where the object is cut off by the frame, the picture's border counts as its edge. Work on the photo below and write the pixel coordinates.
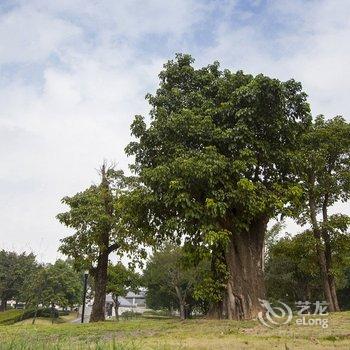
(74, 73)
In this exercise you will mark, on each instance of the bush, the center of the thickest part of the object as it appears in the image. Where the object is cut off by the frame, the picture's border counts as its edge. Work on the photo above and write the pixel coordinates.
(130, 314)
(156, 313)
(12, 316)
(47, 312)
(63, 312)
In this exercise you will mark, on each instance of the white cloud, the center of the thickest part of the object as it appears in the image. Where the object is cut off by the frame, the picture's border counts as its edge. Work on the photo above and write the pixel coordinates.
(75, 73)
(308, 41)
(31, 36)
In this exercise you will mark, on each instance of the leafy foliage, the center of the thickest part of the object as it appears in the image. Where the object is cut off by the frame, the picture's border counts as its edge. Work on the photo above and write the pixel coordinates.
(292, 270)
(15, 271)
(121, 280)
(54, 284)
(173, 283)
(215, 157)
(97, 210)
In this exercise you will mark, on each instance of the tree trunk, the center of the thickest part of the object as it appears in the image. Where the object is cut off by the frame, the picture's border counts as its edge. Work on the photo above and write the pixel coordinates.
(182, 302)
(244, 259)
(328, 262)
(215, 310)
(100, 286)
(52, 312)
(319, 248)
(182, 311)
(324, 274)
(328, 255)
(35, 315)
(116, 306)
(3, 305)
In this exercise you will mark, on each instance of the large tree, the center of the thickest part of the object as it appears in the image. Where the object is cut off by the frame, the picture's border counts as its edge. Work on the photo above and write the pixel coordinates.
(214, 159)
(98, 217)
(323, 167)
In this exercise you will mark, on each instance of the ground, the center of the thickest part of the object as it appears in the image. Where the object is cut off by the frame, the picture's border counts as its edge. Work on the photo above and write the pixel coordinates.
(175, 334)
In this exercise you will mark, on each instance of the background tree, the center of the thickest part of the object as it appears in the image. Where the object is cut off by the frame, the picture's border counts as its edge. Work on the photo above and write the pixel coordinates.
(171, 281)
(323, 166)
(97, 216)
(15, 271)
(53, 285)
(121, 280)
(215, 162)
(292, 269)
(292, 272)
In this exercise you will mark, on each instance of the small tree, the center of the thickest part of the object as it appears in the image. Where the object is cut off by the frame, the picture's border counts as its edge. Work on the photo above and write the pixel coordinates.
(121, 280)
(99, 217)
(54, 284)
(291, 272)
(170, 281)
(292, 269)
(15, 270)
(323, 167)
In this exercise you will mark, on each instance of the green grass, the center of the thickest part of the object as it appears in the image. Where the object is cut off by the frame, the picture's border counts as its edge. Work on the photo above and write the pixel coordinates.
(14, 316)
(174, 334)
(10, 316)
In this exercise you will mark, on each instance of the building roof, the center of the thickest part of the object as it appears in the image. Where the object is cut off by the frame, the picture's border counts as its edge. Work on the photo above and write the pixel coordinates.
(140, 295)
(122, 301)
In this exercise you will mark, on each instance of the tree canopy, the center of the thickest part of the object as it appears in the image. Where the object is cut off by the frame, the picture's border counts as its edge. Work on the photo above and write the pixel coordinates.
(216, 165)
(15, 271)
(99, 216)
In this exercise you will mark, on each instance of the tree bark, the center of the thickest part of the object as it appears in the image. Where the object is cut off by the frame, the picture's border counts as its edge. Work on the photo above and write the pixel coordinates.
(35, 315)
(182, 311)
(100, 286)
(244, 259)
(3, 305)
(319, 248)
(100, 273)
(328, 255)
(182, 303)
(215, 310)
(116, 306)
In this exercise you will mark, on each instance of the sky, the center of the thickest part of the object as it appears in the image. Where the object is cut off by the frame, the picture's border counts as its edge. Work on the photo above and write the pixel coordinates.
(75, 72)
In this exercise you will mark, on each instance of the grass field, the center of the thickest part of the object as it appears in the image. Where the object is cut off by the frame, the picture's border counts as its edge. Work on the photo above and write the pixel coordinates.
(175, 334)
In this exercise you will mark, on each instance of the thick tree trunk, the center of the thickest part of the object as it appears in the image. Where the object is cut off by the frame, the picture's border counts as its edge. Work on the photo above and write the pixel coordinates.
(3, 305)
(244, 260)
(100, 285)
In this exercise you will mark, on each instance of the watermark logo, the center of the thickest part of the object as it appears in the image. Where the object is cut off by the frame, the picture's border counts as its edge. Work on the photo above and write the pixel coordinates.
(275, 315)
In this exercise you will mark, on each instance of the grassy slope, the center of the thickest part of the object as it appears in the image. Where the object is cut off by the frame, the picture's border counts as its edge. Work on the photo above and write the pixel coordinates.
(174, 334)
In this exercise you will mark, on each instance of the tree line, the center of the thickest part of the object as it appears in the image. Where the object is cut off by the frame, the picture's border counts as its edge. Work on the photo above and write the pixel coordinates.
(25, 281)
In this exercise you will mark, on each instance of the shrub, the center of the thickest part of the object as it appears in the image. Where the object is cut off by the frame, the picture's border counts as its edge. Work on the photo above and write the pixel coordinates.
(130, 314)
(12, 316)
